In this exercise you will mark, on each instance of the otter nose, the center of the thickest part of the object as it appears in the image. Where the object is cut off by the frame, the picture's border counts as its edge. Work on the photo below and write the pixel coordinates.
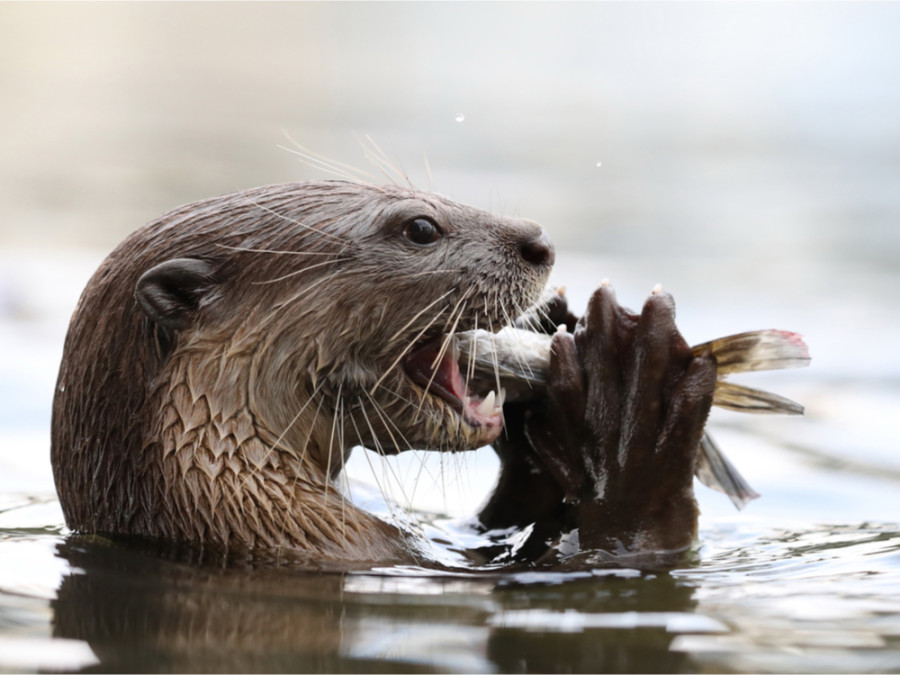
(538, 250)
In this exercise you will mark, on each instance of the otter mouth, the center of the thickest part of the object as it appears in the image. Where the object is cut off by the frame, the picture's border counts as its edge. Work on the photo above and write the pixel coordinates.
(434, 367)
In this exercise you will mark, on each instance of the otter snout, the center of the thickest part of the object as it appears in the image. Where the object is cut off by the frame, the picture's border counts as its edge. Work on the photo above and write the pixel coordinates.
(537, 249)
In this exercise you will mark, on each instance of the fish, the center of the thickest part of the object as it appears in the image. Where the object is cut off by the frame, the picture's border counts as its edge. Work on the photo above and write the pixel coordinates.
(518, 360)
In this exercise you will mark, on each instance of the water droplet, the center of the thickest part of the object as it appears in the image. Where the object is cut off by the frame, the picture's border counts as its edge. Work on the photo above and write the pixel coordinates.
(599, 164)
(460, 118)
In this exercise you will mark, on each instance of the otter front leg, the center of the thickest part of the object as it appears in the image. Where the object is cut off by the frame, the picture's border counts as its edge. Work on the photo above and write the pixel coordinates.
(627, 403)
(527, 495)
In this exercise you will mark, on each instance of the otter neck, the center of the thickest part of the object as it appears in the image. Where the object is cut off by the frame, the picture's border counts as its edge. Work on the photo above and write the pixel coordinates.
(228, 479)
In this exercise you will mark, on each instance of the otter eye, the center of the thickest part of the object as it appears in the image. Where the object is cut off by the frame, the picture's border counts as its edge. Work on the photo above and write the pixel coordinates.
(422, 231)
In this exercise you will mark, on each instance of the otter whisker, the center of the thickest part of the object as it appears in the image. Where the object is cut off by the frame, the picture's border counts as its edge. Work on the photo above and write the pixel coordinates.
(448, 333)
(412, 342)
(303, 291)
(247, 249)
(403, 353)
(517, 312)
(532, 317)
(294, 221)
(362, 448)
(414, 275)
(322, 163)
(285, 519)
(382, 161)
(420, 313)
(276, 443)
(428, 172)
(380, 450)
(328, 163)
(470, 366)
(339, 422)
(381, 170)
(300, 271)
(448, 338)
(322, 166)
(494, 357)
(278, 307)
(519, 354)
(388, 423)
(423, 467)
(331, 439)
(395, 394)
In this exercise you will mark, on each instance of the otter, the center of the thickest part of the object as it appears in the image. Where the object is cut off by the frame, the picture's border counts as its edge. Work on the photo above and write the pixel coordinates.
(225, 358)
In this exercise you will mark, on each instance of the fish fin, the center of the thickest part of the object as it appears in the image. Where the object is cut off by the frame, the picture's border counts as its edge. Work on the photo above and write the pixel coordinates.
(749, 400)
(757, 350)
(716, 472)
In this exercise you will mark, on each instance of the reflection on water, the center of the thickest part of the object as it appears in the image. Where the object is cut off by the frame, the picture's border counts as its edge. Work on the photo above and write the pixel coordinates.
(186, 618)
(820, 599)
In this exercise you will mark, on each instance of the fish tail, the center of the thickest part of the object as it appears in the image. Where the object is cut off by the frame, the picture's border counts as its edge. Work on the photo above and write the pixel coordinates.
(757, 350)
(716, 472)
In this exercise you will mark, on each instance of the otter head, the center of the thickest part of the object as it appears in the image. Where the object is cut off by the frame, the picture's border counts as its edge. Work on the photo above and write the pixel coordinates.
(226, 357)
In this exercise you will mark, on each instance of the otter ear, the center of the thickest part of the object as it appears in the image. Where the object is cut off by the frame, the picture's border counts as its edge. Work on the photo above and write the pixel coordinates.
(170, 293)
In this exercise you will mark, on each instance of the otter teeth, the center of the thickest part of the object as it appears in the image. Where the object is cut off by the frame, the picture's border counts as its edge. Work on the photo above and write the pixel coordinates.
(491, 404)
(486, 407)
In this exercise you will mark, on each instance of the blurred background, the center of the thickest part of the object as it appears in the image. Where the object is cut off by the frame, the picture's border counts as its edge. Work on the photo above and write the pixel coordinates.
(745, 155)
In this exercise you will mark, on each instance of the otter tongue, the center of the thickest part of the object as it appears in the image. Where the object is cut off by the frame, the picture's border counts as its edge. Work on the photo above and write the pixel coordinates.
(439, 374)
(440, 377)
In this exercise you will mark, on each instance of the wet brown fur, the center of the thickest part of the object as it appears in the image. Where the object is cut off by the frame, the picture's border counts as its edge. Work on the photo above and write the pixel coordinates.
(228, 431)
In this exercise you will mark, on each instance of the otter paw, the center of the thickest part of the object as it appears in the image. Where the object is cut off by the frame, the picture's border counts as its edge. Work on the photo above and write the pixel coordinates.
(627, 403)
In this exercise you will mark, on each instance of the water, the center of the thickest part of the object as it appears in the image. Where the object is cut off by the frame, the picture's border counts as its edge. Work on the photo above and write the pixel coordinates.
(754, 598)
(750, 163)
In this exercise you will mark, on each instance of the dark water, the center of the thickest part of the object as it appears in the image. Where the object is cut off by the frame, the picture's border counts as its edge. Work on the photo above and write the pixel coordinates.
(752, 598)
(745, 155)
